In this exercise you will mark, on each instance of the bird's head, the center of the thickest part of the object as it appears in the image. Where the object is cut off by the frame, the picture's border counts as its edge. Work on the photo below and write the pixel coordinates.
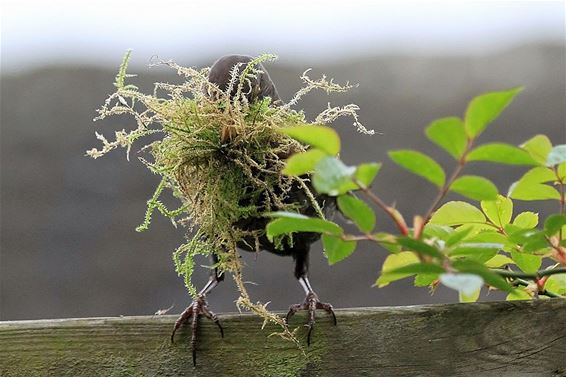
(256, 89)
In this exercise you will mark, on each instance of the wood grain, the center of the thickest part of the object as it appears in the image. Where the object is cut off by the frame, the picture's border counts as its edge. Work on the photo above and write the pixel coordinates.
(521, 338)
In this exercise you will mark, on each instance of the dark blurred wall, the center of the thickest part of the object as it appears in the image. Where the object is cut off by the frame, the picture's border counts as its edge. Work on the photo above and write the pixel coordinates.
(68, 245)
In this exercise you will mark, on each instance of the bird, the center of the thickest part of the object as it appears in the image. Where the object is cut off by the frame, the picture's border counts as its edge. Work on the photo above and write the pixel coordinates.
(257, 89)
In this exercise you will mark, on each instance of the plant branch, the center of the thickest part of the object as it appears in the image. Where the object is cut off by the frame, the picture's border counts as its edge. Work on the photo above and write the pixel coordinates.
(525, 275)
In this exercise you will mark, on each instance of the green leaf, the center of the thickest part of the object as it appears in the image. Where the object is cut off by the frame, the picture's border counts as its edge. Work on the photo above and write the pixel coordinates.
(395, 261)
(554, 223)
(521, 190)
(448, 134)
(423, 280)
(419, 246)
(388, 242)
(557, 155)
(501, 153)
(456, 213)
(499, 261)
(538, 147)
(419, 164)
(365, 173)
(332, 177)
(518, 294)
(476, 251)
(490, 277)
(321, 137)
(474, 187)
(303, 163)
(556, 284)
(357, 211)
(562, 171)
(458, 235)
(526, 220)
(439, 231)
(405, 271)
(337, 249)
(286, 225)
(469, 298)
(485, 108)
(498, 211)
(467, 284)
(538, 175)
(526, 262)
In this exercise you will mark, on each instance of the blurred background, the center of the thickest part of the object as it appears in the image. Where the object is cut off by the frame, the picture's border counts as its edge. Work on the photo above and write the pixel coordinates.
(68, 245)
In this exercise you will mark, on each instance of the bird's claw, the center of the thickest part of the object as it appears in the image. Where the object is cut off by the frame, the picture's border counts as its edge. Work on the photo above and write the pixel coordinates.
(311, 304)
(197, 308)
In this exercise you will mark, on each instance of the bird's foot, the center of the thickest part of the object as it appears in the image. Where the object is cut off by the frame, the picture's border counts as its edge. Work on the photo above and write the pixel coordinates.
(192, 312)
(311, 304)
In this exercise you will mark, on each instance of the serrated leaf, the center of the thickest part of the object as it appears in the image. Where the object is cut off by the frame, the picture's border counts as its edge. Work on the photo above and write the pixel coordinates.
(521, 190)
(303, 163)
(557, 155)
(332, 177)
(485, 108)
(286, 225)
(468, 284)
(554, 223)
(321, 137)
(456, 213)
(490, 277)
(449, 134)
(538, 147)
(498, 211)
(419, 164)
(365, 173)
(499, 261)
(526, 220)
(474, 187)
(526, 262)
(337, 249)
(395, 261)
(419, 246)
(357, 211)
(501, 153)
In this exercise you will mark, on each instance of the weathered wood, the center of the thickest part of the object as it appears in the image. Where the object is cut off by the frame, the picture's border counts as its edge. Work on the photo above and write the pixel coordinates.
(485, 339)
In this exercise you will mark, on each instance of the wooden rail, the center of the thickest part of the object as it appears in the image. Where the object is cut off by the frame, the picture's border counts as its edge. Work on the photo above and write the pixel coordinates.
(526, 338)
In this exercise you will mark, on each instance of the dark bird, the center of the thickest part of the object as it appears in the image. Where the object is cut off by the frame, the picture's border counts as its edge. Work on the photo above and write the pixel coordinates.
(258, 89)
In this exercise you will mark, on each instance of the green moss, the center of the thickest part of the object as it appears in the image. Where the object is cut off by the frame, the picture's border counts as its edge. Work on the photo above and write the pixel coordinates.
(221, 158)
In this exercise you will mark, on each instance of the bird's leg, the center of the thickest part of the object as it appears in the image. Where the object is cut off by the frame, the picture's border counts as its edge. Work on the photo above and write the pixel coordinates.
(311, 302)
(200, 307)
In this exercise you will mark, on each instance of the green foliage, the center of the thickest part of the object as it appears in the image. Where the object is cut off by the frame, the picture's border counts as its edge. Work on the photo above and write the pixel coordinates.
(458, 244)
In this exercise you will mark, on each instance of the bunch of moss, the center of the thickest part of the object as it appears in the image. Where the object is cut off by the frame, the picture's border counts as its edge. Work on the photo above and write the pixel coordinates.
(221, 157)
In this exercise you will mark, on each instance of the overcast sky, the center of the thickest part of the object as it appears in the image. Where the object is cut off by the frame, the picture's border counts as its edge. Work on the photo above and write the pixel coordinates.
(45, 32)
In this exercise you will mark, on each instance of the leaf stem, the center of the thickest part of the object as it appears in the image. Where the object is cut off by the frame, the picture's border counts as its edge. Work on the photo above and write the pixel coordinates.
(446, 187)
(395, 215)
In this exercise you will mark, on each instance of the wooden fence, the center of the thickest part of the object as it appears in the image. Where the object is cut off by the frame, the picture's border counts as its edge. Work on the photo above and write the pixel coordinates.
(526, 338)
